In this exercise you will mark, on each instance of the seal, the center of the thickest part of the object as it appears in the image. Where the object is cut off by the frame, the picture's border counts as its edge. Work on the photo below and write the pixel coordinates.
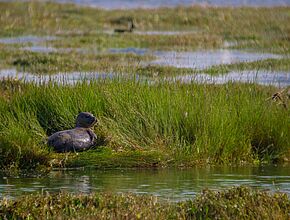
(78, 139)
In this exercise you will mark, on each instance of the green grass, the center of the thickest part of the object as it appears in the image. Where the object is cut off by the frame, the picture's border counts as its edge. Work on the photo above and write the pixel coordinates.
(259, 29)
(235, 203)
(166, 124)
(55, 62)
(264, 28)
(267, 65)
(142, 125)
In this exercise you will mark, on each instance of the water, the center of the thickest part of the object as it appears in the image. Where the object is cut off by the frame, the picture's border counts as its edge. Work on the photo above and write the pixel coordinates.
(168, 33)
(26, 39)
(278, 79)
(201, 59)
(207, 58)
(127, 4)
(172, 184)
(59, 78)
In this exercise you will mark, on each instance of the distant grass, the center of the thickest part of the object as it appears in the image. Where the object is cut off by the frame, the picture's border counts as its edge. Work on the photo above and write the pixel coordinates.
(265, 29)
(128, 63)
(188, 124)
(81, 30)
(50, 63)
(266, 65)
(235, 203)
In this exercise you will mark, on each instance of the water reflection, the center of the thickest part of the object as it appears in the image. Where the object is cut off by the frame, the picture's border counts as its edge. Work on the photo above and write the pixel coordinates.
(207, 58)
(278, 79)
(26, 39)
(70, 78)
(173, 184)
(201, 59)
(169, 33)
(40, 49)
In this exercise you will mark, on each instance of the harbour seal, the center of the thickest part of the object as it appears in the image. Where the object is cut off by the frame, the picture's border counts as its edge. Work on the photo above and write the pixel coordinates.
(78, 139)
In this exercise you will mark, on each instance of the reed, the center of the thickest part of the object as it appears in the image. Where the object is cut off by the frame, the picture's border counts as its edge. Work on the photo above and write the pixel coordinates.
(189, 124)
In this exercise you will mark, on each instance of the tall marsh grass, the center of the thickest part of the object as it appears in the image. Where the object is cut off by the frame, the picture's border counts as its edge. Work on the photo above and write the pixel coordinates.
(232, 123)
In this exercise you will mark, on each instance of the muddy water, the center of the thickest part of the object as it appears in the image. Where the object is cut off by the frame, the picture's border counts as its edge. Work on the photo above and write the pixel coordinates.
(172, 184)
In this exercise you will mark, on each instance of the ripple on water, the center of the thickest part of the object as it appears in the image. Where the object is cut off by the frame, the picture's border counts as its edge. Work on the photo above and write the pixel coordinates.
(173, 184)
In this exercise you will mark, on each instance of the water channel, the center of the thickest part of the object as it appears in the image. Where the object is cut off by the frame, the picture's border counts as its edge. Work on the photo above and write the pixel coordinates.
(171, 184)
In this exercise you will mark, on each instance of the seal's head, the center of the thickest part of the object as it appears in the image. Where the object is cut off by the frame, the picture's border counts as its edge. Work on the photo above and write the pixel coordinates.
(85, 120)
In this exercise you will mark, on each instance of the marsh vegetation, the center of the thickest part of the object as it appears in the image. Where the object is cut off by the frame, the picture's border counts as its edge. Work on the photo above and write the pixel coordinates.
(145, 119)
(161, 124)
(235, 203)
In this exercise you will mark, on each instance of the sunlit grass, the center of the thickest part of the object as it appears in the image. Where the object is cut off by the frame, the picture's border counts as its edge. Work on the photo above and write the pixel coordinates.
(235, 203)
(265, 29)
(192, 124)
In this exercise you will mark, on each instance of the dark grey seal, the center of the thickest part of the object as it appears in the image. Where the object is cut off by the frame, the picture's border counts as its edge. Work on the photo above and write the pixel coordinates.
(78, 139)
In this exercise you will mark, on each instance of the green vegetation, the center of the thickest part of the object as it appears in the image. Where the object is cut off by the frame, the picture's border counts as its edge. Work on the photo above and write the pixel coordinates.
(83, 34)
(70, 61)
(263, 28)
(235, 203)
(153, 125)
(142, 124)
(268, 65)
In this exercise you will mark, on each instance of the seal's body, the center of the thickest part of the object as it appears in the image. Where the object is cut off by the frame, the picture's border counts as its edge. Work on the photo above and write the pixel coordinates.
(77, 139)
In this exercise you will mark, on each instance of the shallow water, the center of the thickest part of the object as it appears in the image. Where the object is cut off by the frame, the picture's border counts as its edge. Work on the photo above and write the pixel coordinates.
(207, 58)
(70, 78)
(200, 59)
(278, 79)
(26, 39)
(172, 184)
(124, 4)
(169, 33)
(154, 32)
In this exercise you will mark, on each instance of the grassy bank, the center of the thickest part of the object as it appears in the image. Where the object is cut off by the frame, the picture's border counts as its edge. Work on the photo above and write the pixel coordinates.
(161, 124)
(236, 203)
